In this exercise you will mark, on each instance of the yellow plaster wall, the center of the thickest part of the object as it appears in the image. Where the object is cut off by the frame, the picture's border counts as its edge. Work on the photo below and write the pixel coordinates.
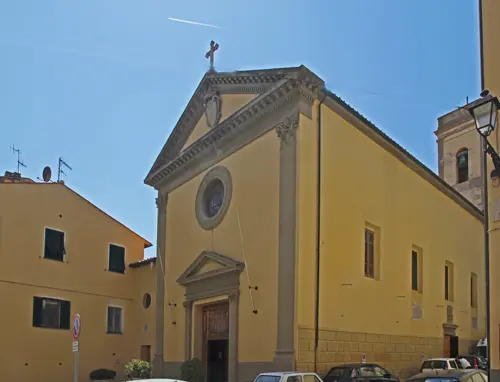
(230, 103)
(33, 354)
(255, 175)
(491, 62)
(364, 184)
(144, 281)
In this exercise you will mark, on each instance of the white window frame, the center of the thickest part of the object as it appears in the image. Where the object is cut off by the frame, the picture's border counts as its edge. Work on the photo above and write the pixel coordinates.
(122, 318)
(43, 242)
(124, 257)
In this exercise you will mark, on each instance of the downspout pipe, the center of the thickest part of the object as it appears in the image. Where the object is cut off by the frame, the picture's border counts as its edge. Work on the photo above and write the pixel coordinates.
(318, 236)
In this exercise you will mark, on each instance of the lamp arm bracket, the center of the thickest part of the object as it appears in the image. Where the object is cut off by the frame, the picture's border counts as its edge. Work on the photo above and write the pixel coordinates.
(494, 156)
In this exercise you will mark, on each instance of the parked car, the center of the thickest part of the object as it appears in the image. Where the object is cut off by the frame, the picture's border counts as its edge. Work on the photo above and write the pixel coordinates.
(451, 375)
(476, 362)
(439, 364)
(359, 372)
(288, 377)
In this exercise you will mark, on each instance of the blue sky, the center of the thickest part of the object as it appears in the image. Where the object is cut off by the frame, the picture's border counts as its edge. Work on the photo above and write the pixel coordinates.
(102, 82)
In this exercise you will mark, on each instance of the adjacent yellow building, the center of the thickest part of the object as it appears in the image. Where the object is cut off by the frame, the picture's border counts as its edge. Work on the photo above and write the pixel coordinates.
(61, 255)
(294, 234)
(489, 11)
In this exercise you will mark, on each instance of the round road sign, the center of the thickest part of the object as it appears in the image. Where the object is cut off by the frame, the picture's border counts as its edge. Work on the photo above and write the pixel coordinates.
(76, 327)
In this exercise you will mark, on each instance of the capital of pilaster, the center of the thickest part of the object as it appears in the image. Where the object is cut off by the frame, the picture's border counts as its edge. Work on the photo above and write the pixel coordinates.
(286, 129)
(161, 200)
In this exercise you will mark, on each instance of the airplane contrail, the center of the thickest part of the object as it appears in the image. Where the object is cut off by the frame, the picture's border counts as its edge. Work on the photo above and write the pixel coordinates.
(194, 23)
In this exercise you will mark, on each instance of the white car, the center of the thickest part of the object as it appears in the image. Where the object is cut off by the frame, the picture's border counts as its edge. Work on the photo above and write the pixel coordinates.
(291, 376)
(439, 364)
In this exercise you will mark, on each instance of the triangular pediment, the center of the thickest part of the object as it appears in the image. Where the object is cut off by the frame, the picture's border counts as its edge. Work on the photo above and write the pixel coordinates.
(209, 264)
(236, 90)
(229, 104)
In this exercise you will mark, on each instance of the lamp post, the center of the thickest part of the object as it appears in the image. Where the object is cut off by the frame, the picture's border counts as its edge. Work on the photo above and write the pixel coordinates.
(484, 113)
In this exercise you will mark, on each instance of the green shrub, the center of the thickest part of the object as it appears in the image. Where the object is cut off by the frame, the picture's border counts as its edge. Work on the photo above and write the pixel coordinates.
(102, 375)
(138, 369)
(193, 370)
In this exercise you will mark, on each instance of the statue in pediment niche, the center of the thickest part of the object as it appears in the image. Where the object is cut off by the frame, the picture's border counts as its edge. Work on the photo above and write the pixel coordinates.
(212, 107)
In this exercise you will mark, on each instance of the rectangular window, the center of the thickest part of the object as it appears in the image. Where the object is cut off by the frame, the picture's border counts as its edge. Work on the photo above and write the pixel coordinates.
(417, 267)
(116, 259)
(51, 313)
(115, 320)
(414, 270)
(473, 290)
(369, 253)
(449, 273)
(446, 283)
(54, 248)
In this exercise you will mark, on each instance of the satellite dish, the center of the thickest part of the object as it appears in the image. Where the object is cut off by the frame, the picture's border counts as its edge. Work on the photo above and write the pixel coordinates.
(46, 174)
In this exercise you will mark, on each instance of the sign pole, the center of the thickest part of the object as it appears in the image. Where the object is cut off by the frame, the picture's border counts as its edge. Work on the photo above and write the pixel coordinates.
(76, 337)
(76, 366)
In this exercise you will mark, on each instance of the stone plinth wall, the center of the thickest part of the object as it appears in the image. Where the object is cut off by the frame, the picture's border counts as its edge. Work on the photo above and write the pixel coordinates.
(401, 355)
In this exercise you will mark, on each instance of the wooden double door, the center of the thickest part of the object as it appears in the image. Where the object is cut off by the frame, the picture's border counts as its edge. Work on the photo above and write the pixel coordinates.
(216, 341)
(450, 346)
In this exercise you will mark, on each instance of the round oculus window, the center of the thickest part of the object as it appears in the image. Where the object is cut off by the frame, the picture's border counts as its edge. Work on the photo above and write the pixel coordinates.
(146, 301)
(213, 197)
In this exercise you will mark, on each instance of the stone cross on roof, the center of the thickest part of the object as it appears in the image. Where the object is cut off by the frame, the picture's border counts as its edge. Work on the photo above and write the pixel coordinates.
(210, 54)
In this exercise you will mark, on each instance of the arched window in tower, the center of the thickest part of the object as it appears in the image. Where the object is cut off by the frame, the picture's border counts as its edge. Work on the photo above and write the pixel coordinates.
(462, 166)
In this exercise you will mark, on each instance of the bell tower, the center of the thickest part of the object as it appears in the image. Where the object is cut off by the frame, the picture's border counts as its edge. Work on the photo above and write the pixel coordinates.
(459, 154)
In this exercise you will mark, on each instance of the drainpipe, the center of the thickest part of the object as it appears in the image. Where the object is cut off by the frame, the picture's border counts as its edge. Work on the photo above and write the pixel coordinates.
(318, 238)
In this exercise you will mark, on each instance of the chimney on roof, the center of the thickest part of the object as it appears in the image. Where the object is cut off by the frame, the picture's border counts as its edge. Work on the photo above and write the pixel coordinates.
(14, 177)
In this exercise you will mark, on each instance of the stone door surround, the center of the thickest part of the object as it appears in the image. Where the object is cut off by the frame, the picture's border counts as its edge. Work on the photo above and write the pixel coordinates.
(222, 281)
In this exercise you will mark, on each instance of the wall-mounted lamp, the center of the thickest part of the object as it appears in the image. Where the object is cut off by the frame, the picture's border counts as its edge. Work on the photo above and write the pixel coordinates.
(495, 178)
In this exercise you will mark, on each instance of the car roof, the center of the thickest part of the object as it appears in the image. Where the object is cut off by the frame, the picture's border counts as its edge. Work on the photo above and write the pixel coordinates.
(355, 365)
(440, 359)
(451, 373)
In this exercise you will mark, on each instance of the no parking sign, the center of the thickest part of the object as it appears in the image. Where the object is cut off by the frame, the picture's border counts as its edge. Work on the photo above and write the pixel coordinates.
(76, 327)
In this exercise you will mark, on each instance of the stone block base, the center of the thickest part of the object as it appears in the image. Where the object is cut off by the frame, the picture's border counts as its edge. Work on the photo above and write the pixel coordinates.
(401, 355)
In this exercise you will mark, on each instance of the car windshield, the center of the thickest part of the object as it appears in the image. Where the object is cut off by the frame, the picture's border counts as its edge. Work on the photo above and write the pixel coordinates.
(434, 365)
(371, 371)
(268, 378)
(481, 351)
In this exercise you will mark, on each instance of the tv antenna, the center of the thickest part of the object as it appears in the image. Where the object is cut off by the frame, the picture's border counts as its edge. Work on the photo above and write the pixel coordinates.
(19, 162)
(60, 170)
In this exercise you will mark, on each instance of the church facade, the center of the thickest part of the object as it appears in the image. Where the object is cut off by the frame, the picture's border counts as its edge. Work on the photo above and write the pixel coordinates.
(294, 235)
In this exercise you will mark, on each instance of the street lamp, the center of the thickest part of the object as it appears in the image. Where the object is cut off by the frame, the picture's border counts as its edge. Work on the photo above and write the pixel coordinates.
(484, 113)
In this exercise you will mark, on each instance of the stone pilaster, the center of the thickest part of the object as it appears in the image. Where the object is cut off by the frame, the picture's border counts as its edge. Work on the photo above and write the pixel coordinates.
(188, 327)
(158, 361)
(286, 131)
(234, 300)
